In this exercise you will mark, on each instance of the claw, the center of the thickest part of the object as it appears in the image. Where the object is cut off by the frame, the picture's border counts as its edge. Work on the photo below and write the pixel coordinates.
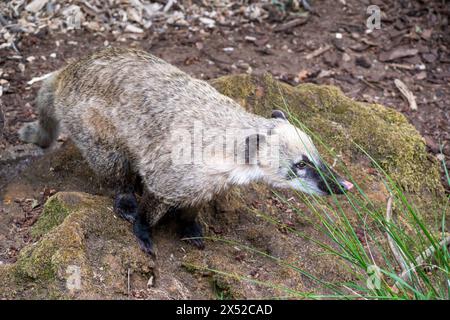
(142, 231)
(198, 243)
(146, 246)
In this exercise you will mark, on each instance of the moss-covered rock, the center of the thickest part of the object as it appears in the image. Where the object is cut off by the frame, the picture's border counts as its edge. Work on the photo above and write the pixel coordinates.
(84, 252)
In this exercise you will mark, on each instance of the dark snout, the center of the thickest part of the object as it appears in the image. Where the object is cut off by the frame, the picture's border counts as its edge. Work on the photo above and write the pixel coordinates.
(330, 182)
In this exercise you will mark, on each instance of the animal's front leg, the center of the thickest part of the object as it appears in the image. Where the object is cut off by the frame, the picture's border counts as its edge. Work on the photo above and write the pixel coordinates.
(150, 211)
(189, 228)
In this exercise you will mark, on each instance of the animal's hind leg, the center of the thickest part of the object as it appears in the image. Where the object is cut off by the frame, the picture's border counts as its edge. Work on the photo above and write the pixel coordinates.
(125, 203)
(150, 211)
(189, 228)
(113, 166)
(44, 131)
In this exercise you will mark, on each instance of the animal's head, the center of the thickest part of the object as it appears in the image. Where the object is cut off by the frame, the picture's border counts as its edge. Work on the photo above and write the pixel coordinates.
(298, 165)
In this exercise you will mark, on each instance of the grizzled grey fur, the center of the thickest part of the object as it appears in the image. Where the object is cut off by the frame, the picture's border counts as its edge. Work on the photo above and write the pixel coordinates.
(120, 106)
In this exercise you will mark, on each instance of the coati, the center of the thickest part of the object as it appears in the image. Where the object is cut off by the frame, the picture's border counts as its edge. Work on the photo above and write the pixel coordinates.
(129, 112)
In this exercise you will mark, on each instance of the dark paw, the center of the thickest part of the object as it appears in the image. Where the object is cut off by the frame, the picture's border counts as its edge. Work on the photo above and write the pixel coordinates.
(146, 246)
(192, 233)
(126, 206)
(143, 234)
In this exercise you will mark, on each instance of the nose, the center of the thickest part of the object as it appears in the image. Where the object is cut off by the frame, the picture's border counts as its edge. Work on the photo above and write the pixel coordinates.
(347, 185)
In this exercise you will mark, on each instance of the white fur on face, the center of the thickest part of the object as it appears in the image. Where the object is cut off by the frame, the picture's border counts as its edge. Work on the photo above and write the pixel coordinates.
(294, 144)
(305, 186)
(245, 174)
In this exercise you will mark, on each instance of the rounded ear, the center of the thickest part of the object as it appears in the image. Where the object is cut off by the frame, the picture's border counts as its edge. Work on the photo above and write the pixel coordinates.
(278, 114)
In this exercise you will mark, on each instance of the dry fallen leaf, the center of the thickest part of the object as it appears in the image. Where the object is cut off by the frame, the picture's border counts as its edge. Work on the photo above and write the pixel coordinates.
(397, 53)
(36, 5)
(406, 93)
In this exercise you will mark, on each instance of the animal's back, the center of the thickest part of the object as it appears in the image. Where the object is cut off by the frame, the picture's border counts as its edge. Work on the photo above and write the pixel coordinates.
(124, 104)
(139, 91)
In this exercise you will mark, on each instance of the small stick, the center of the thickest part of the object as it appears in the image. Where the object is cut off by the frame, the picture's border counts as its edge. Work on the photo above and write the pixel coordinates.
(169, 5)
(430, 250)
(406, 93)
(37, 79)
(128, 285)
(395, 250)
(2, 121)
(317, 52)
(421, 259)
(401, 66)
(291, 24)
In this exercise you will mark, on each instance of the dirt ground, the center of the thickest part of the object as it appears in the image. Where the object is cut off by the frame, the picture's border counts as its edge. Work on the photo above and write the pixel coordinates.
(330, 46)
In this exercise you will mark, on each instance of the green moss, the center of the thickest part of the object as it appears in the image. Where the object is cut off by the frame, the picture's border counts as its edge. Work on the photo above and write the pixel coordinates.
(35, 262)
(54, 213)
(340, 122)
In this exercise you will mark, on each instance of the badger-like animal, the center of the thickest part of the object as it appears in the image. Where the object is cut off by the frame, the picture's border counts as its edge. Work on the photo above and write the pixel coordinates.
(135, 117)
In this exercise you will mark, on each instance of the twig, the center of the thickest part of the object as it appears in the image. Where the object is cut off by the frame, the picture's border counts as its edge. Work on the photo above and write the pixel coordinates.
(420, 260)
(3, 21)
(367, 83)
(401, 66)
(367, 240)
(317, 52)
(291, 24)
(128, 282)
(406, 93)
(37, 79)
(169, 5)
(430, 250)
(395, 250)
(2, 120)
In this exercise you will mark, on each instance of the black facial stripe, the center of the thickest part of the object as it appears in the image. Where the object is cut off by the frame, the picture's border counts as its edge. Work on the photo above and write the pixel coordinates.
(324, 177)
(328, 183)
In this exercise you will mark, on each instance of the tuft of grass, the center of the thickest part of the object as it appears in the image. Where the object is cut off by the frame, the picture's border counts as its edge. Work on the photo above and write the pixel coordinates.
(399, 256)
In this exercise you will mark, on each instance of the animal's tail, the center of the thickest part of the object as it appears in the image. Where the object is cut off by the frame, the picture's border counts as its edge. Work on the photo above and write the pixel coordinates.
(44, 131)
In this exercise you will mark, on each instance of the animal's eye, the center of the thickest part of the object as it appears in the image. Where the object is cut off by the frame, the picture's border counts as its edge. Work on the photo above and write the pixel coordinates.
(301, 165)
